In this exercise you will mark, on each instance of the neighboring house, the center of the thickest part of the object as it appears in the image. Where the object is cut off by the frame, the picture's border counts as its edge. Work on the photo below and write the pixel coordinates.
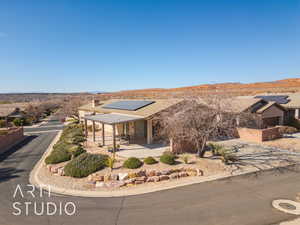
(268, 114)
(11, 111)
(132, 119)
(290, 101)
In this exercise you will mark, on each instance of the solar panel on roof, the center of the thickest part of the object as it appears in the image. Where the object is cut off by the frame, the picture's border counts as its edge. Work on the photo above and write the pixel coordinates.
(128, 105)
(280, 99)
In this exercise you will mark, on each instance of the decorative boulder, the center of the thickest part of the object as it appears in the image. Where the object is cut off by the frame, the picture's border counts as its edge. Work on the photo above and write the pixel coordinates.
(114, 177)
(123, 176)
(141, 173)
(130, 181)
(174, 175)
(139, 182)
(143, 179)
(151, 173)
(153, 179)
(183, 174)
(107, 177)
(164, 177)
(99, 184)
(165, 172)
(60, 171)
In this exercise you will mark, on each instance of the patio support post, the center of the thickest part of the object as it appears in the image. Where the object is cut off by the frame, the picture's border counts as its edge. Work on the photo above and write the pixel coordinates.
(94, 135)
(114, 137)
(103, 135)
(85, 128)
(149, 131)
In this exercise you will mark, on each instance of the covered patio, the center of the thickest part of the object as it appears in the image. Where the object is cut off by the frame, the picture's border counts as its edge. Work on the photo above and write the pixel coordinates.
(128, 127)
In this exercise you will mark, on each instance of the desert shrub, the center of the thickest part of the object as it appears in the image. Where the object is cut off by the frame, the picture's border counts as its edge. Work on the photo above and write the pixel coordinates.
(58, 156)
(287, 130)
(132, 163)
(85, 164)
(168, 159)
(227, 156)
(216, 149)
(75, 150)
(185, 158)
(18, 122)
(110, 162)
(150, 160)
(2, 123)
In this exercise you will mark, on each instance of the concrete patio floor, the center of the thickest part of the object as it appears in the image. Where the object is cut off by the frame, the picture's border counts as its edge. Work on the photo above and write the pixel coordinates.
(142, 151)
(132, 150)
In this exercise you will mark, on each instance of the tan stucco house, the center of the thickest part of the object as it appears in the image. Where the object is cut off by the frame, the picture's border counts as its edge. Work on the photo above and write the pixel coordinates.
(131, 119)
(268, 114)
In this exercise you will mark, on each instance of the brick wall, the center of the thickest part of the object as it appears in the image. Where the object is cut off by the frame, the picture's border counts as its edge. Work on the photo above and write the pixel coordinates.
(13, 136)
(258, 135)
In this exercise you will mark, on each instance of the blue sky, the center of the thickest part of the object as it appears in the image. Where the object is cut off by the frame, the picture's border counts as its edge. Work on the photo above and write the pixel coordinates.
(110, 45)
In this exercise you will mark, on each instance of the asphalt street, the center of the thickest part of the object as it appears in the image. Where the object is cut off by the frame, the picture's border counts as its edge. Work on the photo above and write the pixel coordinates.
(243, 200)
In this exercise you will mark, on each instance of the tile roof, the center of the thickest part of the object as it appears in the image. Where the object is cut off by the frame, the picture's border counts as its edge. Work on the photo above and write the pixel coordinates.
(147, 111)
(239, 105)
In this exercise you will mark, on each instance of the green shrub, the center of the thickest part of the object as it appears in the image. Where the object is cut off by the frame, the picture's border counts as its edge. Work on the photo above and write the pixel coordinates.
(227, 156)
(2, 123)
(150, 160)
(75, 150)
(18, 122)
(185, 158)
(132, 163)
(168, 159)
(85, 164)
(216, 149)
(58, 156)
(110, 162)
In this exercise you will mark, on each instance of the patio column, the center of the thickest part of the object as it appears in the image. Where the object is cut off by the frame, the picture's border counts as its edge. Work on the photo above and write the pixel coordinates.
(85, 128)
(114, 137)
(149, 132)
(297, 113)
(103, 135)
(94, 128)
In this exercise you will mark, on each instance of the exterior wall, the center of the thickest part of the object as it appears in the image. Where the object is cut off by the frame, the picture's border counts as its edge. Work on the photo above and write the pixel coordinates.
(258, 135)
(140, 129)
(14, 136)
(273, 111)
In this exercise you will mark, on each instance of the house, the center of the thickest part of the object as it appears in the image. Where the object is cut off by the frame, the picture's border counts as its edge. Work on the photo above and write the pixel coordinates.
(289, 101)
(267, 113)
(127, 118)
(11, 111)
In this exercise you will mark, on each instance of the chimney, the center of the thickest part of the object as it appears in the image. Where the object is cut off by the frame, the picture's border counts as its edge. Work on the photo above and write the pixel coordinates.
(95, 102)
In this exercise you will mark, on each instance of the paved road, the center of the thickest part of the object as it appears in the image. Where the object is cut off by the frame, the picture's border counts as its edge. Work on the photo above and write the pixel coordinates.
(244, 200)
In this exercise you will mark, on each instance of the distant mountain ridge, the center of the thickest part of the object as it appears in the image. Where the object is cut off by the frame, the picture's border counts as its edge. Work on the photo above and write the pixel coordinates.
(279, 86)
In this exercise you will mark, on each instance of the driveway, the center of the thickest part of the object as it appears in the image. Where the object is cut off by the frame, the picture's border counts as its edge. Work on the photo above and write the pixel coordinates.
(243, 200)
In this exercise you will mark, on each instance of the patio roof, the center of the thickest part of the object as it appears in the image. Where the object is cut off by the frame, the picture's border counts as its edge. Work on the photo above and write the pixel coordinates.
(112, 118)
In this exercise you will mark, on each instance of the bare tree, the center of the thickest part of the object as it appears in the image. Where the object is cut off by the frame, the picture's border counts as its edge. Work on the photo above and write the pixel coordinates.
(198, 121)
(70, 107)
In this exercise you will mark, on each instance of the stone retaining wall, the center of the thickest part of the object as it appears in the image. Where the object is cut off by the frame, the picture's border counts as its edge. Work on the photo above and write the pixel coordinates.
(13, 136)
(259, 135)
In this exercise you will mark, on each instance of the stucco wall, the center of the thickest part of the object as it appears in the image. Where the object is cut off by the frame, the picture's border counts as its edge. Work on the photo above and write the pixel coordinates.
(14, 136)
(273, 111)
(258, 135)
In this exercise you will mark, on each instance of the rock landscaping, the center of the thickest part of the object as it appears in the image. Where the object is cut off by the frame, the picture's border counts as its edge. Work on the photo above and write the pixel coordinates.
(140, 177)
